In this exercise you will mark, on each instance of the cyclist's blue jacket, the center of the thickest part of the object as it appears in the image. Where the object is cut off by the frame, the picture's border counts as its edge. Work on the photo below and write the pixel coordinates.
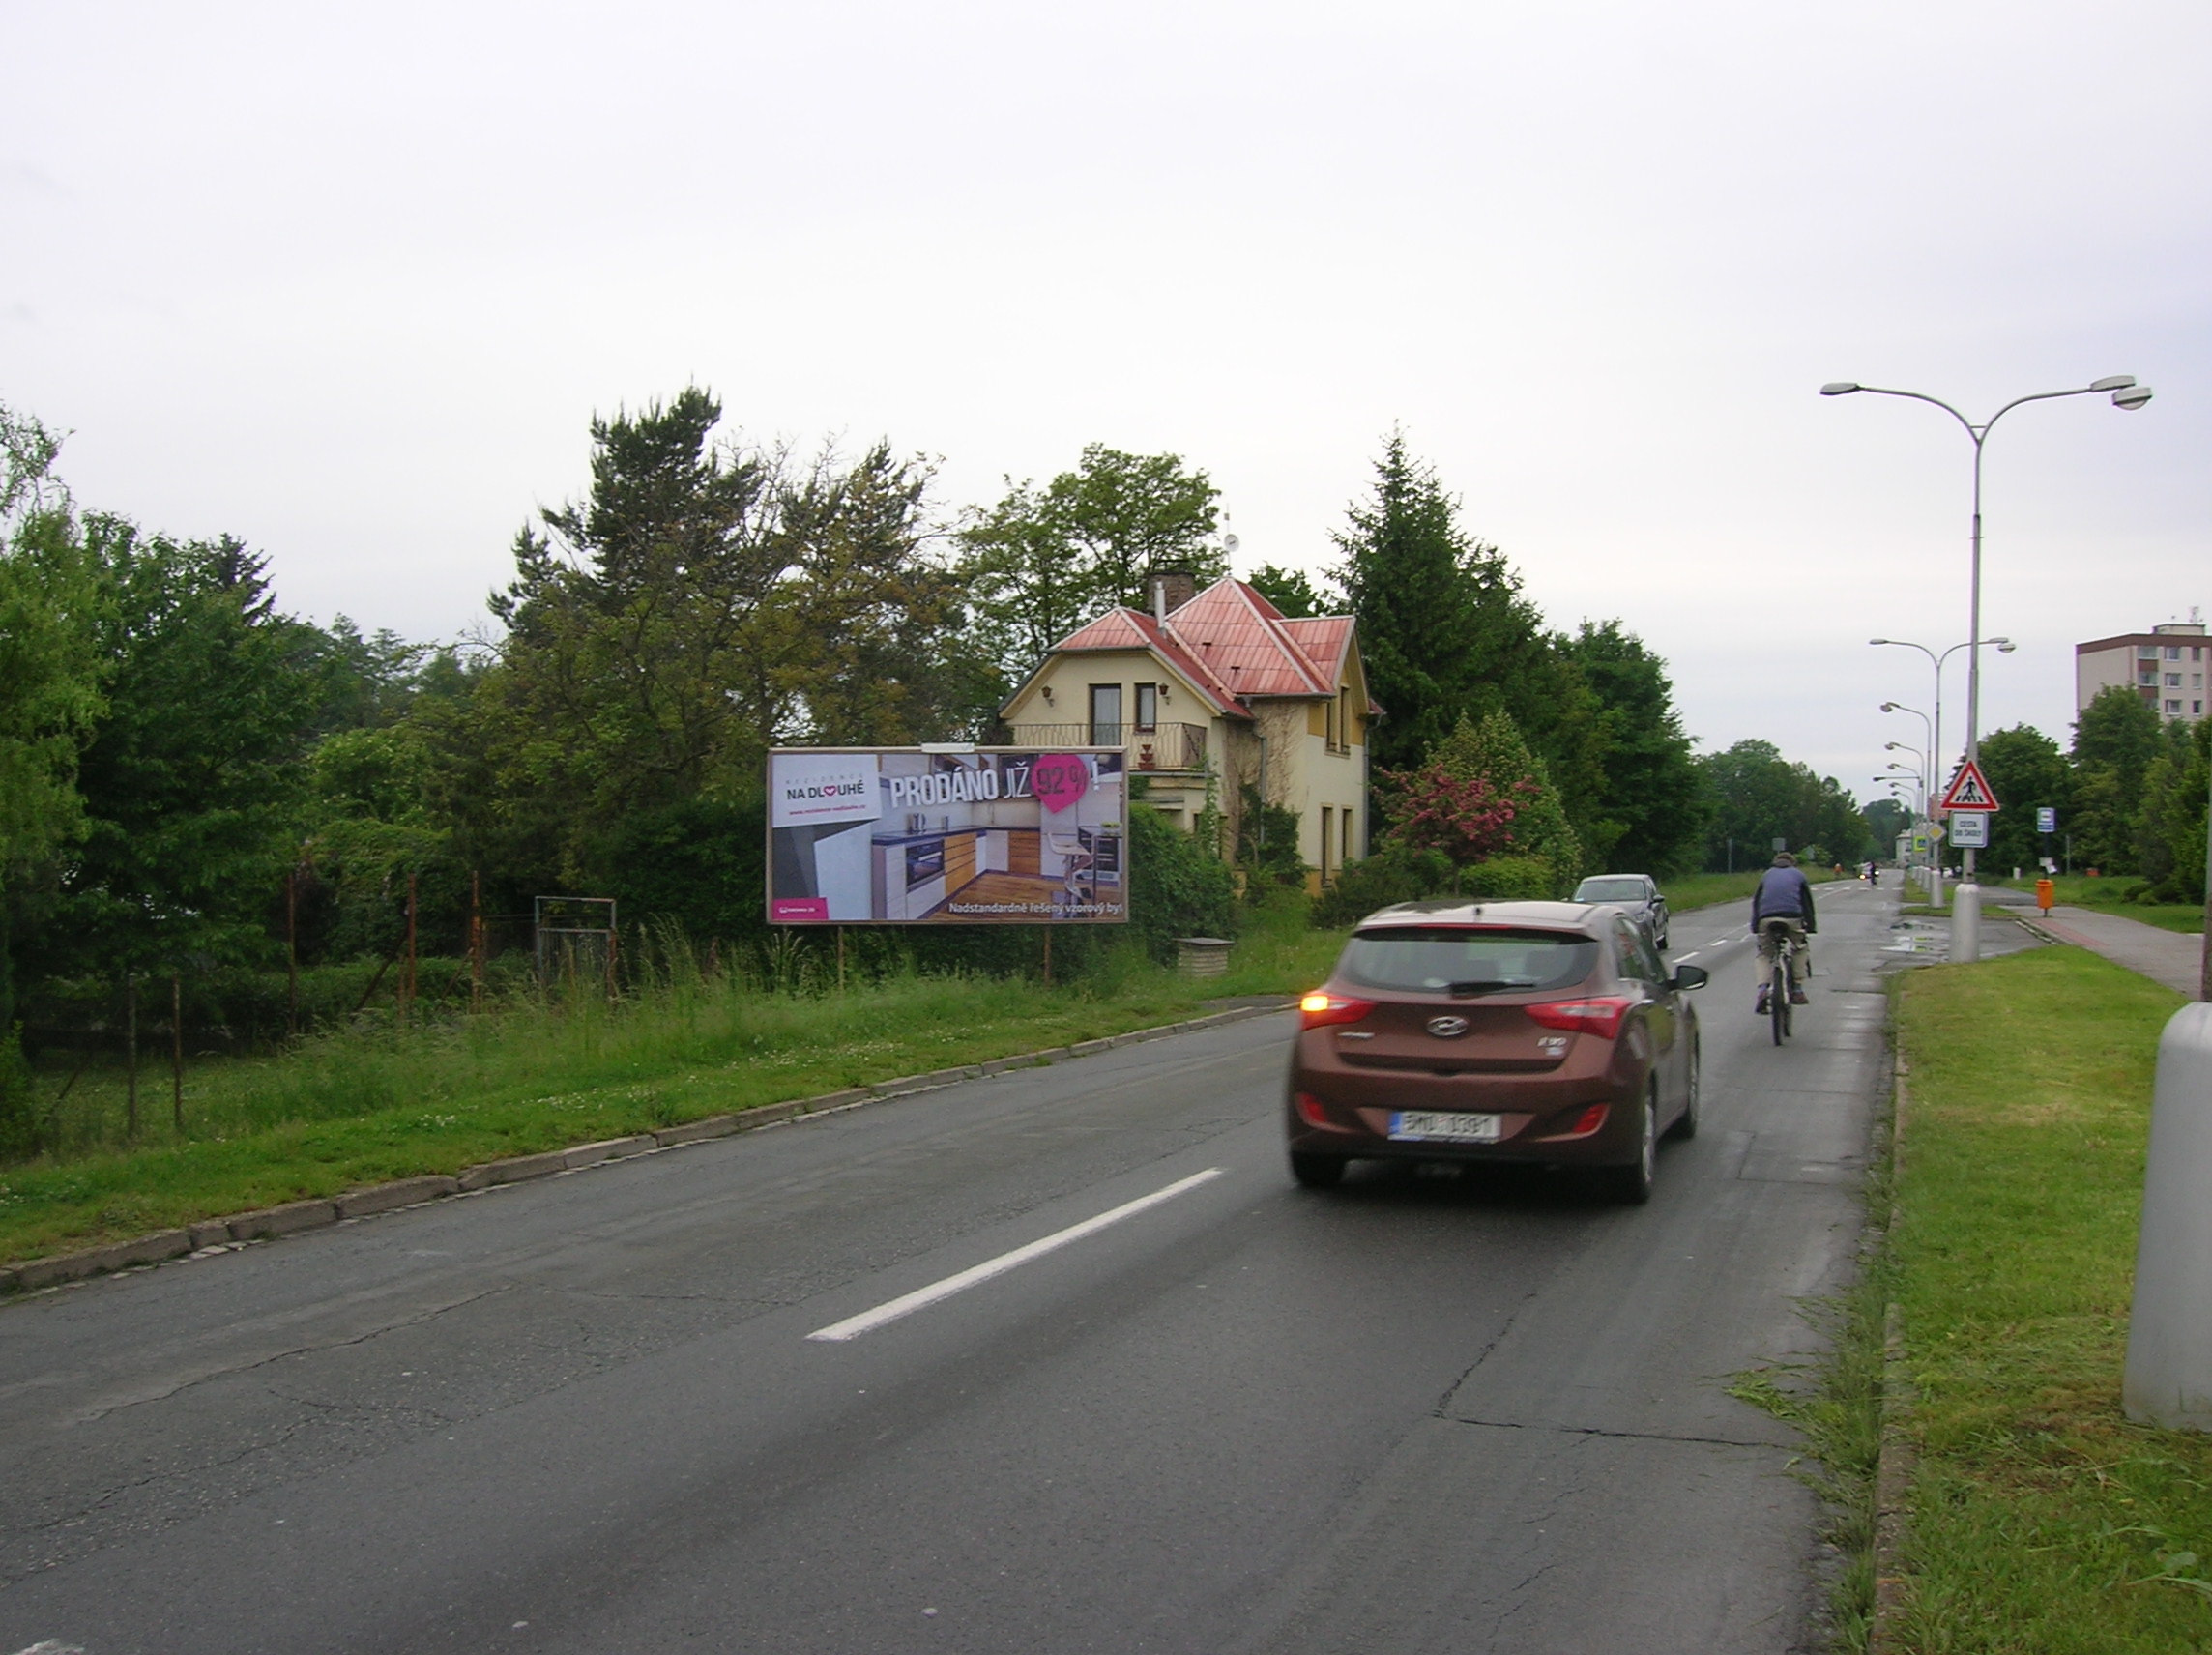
(1783, 893)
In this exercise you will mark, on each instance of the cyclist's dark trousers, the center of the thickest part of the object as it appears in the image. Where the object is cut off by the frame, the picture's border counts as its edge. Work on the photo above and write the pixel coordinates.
(1771, 930)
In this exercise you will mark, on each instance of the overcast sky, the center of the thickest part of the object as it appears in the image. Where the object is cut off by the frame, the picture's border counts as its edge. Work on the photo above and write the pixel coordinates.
(351, 281)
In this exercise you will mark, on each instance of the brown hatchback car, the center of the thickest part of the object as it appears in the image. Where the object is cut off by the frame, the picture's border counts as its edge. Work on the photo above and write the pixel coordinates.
(1534, 1032)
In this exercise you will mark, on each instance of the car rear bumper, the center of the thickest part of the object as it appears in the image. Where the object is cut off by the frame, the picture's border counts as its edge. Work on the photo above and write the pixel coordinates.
(1544, 1134)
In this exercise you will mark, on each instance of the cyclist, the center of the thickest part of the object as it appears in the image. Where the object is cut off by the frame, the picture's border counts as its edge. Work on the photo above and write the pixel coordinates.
(1784, 897)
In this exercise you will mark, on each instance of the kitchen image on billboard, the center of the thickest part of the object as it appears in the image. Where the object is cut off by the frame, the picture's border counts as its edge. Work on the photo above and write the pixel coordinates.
(985, 836)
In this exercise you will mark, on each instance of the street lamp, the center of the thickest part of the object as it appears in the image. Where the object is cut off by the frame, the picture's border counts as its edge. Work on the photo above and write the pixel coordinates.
(2003, 645)
(1921, 773)
(1928, 730)
(2126, 393)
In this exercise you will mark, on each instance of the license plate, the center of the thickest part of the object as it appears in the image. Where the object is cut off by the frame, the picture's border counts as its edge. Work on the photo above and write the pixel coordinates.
(1450, 1125)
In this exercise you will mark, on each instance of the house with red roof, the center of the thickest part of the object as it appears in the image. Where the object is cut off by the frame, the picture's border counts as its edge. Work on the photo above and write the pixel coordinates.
(1212, 693)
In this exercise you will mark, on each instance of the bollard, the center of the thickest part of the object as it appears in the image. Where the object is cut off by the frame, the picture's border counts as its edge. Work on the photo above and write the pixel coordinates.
(1965, 922)
(2169, 1376)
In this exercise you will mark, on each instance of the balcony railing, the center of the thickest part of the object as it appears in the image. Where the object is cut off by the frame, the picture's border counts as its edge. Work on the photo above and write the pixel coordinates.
(1161, 747)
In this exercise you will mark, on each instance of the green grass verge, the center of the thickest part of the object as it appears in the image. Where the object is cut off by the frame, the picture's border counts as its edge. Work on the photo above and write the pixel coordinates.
(2040, 1518)
(351, 1108)
(1685, 891)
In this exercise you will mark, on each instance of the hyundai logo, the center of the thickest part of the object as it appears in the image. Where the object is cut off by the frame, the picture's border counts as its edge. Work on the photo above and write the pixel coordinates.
(1447, 1028)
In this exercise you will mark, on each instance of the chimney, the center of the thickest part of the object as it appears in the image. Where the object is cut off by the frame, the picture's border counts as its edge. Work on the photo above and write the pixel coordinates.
(1173, 587)
(1160, 601)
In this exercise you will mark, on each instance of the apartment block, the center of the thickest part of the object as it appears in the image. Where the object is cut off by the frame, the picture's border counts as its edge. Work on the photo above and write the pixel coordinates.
(2165, 666)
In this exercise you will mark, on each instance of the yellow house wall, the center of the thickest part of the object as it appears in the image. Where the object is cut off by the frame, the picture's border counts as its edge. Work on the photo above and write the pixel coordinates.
(1070, 678)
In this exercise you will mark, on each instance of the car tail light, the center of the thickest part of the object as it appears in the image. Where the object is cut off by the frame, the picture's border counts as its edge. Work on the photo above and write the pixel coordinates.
(1600, 1016)
(1321, 1008)
(1312, 1110)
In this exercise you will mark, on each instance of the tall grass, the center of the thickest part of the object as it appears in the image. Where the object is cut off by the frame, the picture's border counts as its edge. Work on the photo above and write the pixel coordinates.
(368, 1101)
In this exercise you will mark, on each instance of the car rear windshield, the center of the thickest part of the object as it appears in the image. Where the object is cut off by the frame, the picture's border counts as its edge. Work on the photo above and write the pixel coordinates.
(1610, 890)
(1459, 959)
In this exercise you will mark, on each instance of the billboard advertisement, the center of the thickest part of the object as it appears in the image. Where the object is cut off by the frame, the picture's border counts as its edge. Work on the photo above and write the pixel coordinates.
(970, 836)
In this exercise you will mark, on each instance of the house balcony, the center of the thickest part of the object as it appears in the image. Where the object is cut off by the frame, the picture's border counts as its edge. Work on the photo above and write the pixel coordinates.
(1170, 749)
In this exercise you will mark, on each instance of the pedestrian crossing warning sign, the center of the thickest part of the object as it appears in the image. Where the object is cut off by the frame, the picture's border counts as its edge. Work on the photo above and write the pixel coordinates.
(1970, 790)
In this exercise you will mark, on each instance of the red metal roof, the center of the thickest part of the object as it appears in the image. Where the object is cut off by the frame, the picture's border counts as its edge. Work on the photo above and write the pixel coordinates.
(1134, 630)
(1230, 643)
(1239, 636)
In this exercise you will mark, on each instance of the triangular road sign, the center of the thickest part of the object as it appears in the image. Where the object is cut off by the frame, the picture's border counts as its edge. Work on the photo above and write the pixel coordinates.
(1970, 790)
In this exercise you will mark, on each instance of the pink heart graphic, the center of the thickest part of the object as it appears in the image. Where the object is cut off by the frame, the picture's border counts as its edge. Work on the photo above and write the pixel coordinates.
(1059, 780)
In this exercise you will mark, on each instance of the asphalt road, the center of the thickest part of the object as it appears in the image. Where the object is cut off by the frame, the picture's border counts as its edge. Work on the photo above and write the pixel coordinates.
(1420, 1413)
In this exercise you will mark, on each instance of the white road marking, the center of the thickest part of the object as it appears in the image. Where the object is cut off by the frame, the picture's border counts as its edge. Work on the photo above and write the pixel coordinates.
(906, 1304)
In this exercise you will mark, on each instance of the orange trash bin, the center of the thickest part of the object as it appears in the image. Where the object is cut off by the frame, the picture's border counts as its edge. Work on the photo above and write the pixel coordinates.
(2044, 892)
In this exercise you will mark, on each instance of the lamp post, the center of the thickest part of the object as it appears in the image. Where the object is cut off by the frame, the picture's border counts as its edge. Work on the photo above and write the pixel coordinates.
(1927, 746)
(1966, 928)
(1919, 775)
(2003, 645)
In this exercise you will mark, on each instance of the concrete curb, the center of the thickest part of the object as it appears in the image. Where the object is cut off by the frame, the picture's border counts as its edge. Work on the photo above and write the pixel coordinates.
(289, 1219)
(1894, 1463)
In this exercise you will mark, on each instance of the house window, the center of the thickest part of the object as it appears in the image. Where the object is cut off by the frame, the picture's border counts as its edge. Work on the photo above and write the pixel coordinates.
(1344, 719)
(1344, 846)
(2174, 708)
(2173, 652)
(1147, 706)
(1328, 726)
(2149, 680)
(1105, 715)
(2197, 709)
(1327, 825)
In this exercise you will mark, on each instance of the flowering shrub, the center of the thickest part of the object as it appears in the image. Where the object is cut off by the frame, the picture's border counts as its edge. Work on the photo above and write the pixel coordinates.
(1466, 818)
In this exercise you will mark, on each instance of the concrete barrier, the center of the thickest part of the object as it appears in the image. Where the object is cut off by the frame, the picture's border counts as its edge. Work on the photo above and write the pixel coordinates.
(2168, 1376)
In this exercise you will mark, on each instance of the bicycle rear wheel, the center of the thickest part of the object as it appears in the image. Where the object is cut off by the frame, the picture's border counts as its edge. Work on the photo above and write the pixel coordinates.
(1778, 996)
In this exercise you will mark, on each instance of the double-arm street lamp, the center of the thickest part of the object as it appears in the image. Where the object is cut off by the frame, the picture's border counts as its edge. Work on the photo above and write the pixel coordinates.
(2003, 645)
(1966, 923)
(2126, 393)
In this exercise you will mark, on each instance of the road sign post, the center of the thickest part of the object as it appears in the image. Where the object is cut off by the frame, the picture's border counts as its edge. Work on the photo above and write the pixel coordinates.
(1970, 803)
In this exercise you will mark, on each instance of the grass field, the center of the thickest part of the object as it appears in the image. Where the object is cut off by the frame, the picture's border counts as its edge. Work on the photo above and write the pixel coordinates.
(1685, 891)
(356, 1107)
(2040, 1519)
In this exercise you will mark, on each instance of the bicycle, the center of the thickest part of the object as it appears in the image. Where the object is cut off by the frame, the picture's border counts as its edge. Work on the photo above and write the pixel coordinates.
(1778, 981)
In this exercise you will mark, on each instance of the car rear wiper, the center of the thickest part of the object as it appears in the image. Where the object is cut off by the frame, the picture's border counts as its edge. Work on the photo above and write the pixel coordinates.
(1488, 987)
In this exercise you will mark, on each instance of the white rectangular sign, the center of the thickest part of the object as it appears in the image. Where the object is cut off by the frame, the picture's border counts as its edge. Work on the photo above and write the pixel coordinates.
(806, 789)
(1970, 830)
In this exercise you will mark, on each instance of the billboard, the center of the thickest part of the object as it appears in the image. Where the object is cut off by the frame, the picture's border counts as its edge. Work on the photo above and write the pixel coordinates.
(965, 836)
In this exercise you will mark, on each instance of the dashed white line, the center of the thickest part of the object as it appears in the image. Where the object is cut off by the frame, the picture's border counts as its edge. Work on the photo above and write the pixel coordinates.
(906, 1304)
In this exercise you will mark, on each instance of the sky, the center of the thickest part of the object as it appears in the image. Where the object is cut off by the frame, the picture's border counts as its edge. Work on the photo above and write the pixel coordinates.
(351, 283)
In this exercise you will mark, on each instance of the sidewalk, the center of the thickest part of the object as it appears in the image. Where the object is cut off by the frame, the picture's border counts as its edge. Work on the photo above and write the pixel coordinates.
(2169, 957)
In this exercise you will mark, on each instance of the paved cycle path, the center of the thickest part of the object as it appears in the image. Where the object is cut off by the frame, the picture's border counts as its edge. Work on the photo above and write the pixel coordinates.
(2173, 958)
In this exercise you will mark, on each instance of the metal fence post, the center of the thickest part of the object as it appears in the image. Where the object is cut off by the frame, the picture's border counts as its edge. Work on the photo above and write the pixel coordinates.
(2168, 1376)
